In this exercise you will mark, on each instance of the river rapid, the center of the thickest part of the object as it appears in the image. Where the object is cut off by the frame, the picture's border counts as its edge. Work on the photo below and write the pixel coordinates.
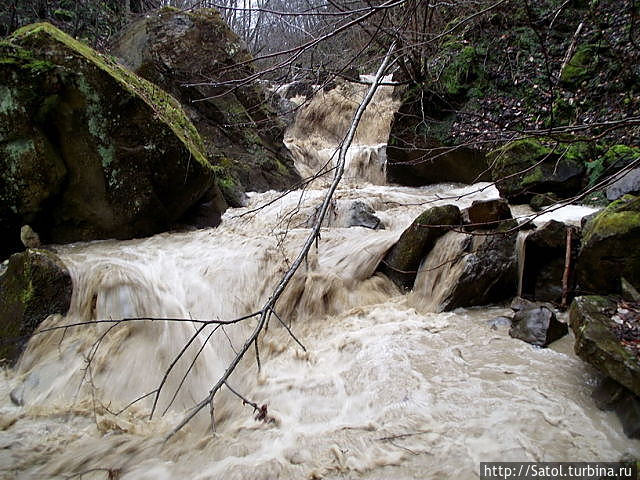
(385, 387)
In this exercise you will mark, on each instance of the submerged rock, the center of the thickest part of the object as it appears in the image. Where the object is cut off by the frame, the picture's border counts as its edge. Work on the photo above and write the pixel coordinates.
(609, 248)
(196, 57)
(402, 261)
(590, 319)
(537, 325)
(362, 215)
(35, 285)
(524, 168)
(89, 150)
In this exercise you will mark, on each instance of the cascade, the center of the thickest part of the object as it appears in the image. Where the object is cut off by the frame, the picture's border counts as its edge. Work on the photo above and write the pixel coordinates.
(386, 388)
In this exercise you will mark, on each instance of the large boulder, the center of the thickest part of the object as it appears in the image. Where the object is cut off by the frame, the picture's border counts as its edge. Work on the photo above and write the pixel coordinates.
(36, 284)
(524, 168)
(543, 268)
(196, 57)
(89, 150)
(489, 271)
(416, 157)
(401, 262)
(591, 319)
(609, 248)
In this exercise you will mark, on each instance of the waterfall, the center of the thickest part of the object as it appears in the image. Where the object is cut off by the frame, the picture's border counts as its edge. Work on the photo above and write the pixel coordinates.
(386, 386)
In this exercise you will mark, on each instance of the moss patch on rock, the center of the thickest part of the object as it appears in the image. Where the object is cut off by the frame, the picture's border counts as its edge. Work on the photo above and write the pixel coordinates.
(609, 248)
(35, 285)
(527, 167)
(91, 150)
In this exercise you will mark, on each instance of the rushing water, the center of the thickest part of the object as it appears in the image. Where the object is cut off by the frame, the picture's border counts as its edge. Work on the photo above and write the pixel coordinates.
(385, 389)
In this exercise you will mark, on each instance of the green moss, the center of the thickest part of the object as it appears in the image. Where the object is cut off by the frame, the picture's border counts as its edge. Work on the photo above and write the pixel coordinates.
(164, 105)
(457, 72)
(534, 176)
(521, 151)
(619, 218)
(580, 67)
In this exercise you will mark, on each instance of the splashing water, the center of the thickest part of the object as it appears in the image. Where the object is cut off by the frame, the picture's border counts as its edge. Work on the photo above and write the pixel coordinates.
(385, 389)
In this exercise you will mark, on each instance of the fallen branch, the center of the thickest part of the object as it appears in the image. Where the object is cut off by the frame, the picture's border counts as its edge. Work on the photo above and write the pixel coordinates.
(269, 307)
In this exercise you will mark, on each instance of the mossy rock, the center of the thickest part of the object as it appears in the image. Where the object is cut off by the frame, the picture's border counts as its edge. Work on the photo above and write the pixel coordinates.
(35, 285)
(197, 58)
(417, 153)
(609, 248)
(89, 149)
(524, 168)
(581, 66)
(590, 320)
(402, 261)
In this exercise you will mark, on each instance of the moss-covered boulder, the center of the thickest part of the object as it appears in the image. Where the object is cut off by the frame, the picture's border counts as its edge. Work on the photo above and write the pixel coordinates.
(35, 285)
(197, 58)
(526, 167)
(415, 154)
(581, 67)
(89, 150)
(401, 262)
(590, 318)
(609, 248)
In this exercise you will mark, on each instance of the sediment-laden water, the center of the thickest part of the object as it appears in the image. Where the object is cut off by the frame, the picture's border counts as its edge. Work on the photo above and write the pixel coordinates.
(387, 387)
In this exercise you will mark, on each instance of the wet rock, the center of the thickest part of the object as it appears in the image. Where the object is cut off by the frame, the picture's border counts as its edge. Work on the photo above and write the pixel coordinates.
(497, 322)
(416, 157)
(28, 237)
(362, 215)
(610, 395)
(488, 273)
(590, 320)
(524, 168)
(89, 150)
(538, 326)
(544, 262)
(541, 200)
(402, 261)
(187, 54)
(609, 248)
(486, 213)
(628, 182)
(35, 285)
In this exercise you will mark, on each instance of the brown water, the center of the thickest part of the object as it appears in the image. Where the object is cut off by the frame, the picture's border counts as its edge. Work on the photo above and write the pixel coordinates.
(385, 389)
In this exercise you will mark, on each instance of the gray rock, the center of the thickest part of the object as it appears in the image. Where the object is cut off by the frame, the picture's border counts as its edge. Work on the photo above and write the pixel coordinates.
(628, 183)
(362, 215)
(537, 326)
